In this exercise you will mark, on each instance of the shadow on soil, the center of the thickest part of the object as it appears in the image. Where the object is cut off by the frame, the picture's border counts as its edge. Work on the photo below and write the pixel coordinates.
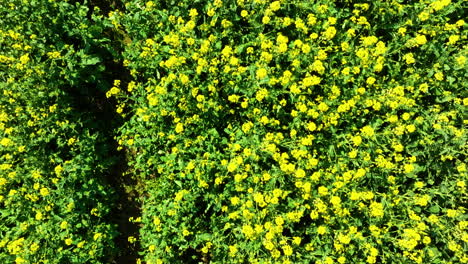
(88, 95)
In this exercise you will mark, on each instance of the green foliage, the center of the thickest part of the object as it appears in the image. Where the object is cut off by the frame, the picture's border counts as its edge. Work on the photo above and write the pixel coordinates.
(54, 204)
(297, 131)
(258, 131)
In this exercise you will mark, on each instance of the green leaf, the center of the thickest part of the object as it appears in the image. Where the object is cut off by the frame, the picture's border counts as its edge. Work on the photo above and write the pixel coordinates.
(204, 236)
(91, 61)
(434, 209)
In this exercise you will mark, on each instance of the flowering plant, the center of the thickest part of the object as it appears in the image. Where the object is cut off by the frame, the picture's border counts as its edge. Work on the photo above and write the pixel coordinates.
(297, 131)
(53, 201)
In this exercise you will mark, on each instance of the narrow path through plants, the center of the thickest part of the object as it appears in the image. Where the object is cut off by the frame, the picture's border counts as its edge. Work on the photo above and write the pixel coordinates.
(126, 205)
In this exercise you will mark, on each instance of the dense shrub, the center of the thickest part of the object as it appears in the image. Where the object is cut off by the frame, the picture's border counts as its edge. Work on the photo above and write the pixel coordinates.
(53, 152)
(297, 131)
(257, 131)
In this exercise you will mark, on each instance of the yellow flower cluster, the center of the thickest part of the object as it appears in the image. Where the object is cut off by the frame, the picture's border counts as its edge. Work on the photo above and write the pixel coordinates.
(47, 158)
(294, 132)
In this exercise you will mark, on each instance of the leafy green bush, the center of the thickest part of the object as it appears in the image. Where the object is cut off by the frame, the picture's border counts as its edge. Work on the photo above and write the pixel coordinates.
(297, 131)
(54, 204)
(259, 131)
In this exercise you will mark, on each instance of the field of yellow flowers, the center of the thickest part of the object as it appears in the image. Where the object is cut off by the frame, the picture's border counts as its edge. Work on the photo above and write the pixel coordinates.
(254, 131)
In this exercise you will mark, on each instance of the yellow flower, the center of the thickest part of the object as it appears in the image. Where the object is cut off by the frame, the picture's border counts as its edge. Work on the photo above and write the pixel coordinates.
(360, 173)
(369, 41)
(461, 168)
(248, 231)
(226, 52)
(53, 55)
(421, 39)
(210, 12)
(64, 224)
(411, 128)
(419, 184)
(408, 57)
(287, 249)
(311, 126)
(452, 213)
(233, 98)
(423, 16)
(232, 166)
(44, 191)
(193, 12)
(261, 73)
(305, 48)
(406, 116)
(335, 201)
(275, 253)
(24, 59)
(235, 200)
(149, 4)
(439, 76)
(156, 221)
(20, 260)
(408, 168)
(300, 173)
(323, 107)
(321, 230)
(113, 91)
(68, 241)
(279, 220)
(368, 131)
(310, 81)
(39, 216)
(261, 94)
(461, 60)
(357, 140)
(34, 247)
(98, 236)
(5, 142)
(297, 240)
(322, 190)
(461, 184)
(58, 170)
(376, 209)
(233, 250)
(370, 80)
(329, 33)
(295, 89)
(152, 248)
(453, 246)
(247, 126)
(275, 6)
(200, 98)
(179, 128)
